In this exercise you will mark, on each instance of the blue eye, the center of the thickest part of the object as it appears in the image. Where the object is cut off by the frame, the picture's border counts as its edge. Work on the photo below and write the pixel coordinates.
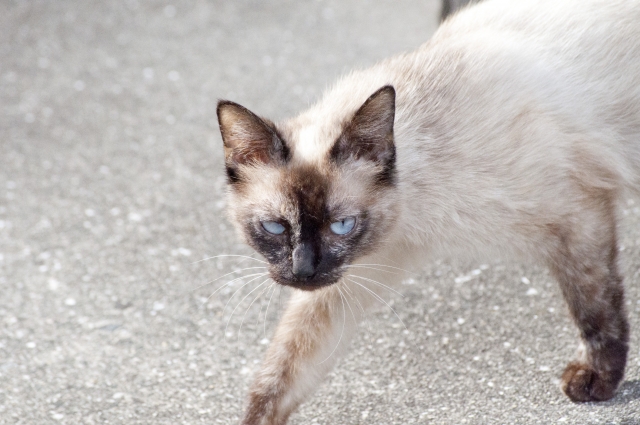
(273, 227)
(343, 226)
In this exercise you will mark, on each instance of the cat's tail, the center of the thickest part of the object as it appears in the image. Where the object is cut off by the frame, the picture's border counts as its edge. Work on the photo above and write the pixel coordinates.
(450, 7)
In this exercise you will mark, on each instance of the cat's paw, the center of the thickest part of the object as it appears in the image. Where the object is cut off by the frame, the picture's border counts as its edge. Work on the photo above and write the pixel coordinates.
(581, 383)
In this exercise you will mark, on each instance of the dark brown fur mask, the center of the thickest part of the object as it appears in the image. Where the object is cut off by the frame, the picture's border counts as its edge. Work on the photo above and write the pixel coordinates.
(309, 195)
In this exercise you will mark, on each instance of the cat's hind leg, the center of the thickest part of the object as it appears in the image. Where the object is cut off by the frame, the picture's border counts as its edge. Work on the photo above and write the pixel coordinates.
(585, 263)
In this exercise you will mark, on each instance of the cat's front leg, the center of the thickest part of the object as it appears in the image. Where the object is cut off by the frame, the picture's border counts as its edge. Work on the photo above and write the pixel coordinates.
(586, 267)
(314, 331)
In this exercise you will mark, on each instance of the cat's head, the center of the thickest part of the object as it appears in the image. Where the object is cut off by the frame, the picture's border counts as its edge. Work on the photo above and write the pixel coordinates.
(312, 197)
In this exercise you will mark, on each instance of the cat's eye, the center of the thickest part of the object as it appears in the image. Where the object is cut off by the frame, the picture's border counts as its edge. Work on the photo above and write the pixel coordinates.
(273, 227)
(343, 226)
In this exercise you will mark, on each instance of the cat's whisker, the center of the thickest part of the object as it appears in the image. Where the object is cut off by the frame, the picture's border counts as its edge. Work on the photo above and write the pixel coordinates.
(259, 315)
(225, 275)
(355, 321)
(259, 275)
(229, 255)
(382, 265)
(354, 298)
(241, 301)
(344, 320)
(252, 302)
(378, 283)
(261, 307)
(267, 312)
(380, 299)
(231, 282)
(360, 266)
(362, 310)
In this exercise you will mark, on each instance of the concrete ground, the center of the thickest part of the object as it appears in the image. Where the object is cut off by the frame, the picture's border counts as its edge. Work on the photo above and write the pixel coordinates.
(111, 187)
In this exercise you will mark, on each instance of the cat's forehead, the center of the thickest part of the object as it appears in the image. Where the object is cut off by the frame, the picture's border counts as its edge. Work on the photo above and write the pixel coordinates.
(310, 140)
(309, 144)
(305, 189)
(308, 190)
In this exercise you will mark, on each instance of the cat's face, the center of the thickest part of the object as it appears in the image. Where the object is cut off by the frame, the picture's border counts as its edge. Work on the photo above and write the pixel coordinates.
(310, 216)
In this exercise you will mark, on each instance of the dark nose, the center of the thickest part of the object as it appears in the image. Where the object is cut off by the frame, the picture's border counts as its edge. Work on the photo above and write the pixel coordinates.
(304, 261)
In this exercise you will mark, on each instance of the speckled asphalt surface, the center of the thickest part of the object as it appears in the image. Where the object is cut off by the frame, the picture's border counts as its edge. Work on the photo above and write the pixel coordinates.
(111, 188)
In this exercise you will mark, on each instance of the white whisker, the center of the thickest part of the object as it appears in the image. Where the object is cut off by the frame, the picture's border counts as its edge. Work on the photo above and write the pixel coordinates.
(229, 255)
(362, 266)
(379, 299)
(231, 281)
(346, 287)
(259, 275)
(383, 265)
(378, 283)
(267, 311)
(344, 320)
(355, 298)
(254, 300)
(225, 275)
(238, 305)
(355, 321)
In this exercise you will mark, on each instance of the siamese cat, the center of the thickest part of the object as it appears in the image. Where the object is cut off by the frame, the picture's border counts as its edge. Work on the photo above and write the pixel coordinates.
(514, 131)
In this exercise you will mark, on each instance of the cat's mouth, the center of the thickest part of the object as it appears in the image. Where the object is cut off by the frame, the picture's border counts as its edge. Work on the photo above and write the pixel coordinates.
(306, 285)
(308, 277)
(309, 283)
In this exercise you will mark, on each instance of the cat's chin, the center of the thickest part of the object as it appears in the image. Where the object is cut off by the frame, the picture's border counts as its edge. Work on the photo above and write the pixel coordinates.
(307, 285)
(312, 287)
(320, 280)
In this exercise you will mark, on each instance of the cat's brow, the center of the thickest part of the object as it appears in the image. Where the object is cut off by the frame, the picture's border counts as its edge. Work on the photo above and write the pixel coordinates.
(309, 147)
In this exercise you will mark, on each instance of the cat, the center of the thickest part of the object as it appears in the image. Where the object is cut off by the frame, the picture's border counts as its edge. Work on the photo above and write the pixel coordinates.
(514, 131)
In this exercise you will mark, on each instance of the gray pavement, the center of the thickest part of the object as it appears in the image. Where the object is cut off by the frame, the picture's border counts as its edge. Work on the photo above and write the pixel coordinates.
(111, 187)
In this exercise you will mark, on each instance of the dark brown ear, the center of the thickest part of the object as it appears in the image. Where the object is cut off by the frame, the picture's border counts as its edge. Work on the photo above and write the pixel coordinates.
(369, 133)
(248, 139)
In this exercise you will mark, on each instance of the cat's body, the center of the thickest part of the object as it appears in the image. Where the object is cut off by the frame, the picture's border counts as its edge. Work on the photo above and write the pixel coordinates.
(516, 132)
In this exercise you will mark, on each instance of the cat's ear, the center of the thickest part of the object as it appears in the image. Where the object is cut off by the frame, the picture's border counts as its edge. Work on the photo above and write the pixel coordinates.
(369, 133)
(248, 139)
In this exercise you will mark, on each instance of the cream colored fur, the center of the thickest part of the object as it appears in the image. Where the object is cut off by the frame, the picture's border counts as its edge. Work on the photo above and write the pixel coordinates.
(515, 119)
(495, 110)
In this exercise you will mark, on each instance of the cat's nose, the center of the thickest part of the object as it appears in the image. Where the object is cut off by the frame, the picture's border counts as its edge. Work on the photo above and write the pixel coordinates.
(304, 260)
